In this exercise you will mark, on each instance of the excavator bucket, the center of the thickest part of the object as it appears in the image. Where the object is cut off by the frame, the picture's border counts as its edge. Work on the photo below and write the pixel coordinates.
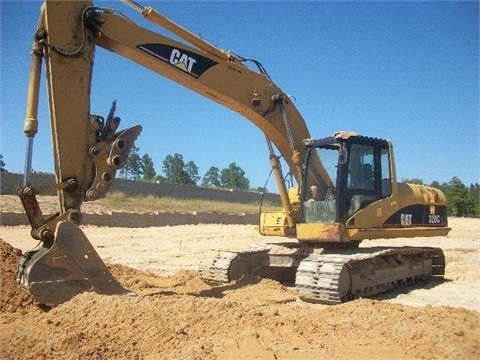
(69, 267)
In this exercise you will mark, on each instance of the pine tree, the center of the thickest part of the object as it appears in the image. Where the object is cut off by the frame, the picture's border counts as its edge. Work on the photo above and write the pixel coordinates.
(233, 177)
(211, 177)
(2, 164)
(148, 168)
(177, 172)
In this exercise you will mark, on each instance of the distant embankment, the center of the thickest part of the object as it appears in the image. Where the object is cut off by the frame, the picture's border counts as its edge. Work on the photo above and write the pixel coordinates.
(9, 183)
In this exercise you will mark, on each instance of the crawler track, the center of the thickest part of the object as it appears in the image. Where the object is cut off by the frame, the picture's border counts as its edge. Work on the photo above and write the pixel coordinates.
(334, 278)
(329, 278)
(232, 265)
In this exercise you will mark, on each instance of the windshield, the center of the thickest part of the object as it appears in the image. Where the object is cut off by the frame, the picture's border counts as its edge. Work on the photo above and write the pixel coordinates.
(319, 203)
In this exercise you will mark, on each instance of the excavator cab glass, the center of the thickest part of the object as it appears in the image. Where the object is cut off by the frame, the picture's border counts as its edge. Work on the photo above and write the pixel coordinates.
(360, 171)
(319, 202)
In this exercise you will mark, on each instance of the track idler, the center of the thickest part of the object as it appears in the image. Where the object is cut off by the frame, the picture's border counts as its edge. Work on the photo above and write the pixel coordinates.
(70, 266)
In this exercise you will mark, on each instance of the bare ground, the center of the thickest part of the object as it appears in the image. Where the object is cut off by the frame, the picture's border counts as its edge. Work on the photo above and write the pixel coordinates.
(174, 315)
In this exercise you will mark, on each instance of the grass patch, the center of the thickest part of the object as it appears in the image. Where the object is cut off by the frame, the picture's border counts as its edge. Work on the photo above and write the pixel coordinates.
(149, 203)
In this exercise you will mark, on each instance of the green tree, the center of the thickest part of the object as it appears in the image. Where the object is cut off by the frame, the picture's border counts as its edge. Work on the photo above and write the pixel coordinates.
(474, 193)
(133, 166)
(177, 172)
(233, 177)
(148, 168)
(192, 171)
(2, 164)
(436, 185)
(211, 177)
(458, 201)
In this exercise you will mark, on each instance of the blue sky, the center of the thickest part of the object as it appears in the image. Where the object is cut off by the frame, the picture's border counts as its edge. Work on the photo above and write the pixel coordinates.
(406, 71)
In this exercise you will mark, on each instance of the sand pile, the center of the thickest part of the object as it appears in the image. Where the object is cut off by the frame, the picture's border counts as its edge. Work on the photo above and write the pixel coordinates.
(180, 317)
(13, 299)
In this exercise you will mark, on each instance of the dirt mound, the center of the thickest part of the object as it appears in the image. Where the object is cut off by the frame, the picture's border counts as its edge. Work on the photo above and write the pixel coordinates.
(144, 282)
(13, 298)
(181, 317)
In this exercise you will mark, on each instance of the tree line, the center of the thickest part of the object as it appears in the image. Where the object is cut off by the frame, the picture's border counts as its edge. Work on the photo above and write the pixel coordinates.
(178, 171)
(462, 200)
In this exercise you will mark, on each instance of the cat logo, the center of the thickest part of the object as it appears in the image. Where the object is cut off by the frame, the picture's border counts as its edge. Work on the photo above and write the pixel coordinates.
(184, 60)
(406, 219)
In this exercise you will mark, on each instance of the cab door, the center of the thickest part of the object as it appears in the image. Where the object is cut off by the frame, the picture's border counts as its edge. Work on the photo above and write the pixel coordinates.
(364, 178)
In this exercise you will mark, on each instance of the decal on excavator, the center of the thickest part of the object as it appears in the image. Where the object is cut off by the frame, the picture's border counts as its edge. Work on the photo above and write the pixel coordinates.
(406, 219)
(182, 59)
(418, 215)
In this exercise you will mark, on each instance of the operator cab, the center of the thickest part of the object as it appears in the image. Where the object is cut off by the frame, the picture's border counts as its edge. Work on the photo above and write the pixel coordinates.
(359, 168)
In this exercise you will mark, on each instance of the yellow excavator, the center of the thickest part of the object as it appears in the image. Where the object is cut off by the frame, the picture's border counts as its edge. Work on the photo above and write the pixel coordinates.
(334, 207)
